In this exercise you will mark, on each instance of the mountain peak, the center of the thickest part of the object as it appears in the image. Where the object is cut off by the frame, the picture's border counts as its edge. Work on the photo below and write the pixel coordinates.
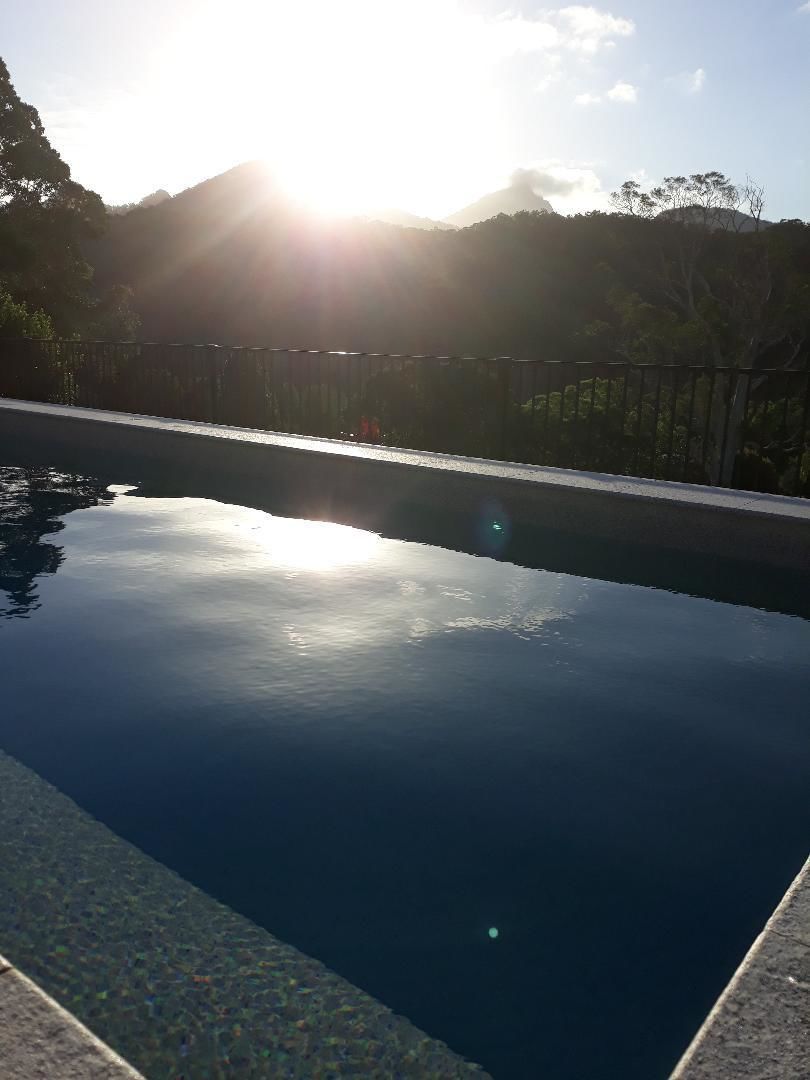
(514, 199)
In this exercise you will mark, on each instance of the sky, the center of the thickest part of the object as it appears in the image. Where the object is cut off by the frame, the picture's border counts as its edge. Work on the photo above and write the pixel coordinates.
(422, 105)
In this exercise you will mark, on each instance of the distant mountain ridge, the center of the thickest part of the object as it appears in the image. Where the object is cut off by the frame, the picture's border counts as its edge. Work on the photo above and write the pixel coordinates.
(406, 220)
(515, 199)
(720, 217)
(251, 177)
(153, 199)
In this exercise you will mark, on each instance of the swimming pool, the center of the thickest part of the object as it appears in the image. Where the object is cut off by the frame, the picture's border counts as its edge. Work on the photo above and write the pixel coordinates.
(540, 815)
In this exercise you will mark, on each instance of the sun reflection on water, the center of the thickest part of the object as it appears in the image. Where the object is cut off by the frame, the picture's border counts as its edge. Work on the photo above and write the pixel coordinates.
(314, 545)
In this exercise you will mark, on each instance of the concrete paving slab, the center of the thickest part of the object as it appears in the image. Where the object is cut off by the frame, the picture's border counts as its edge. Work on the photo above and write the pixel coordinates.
(39, 1040)
(760, 1027)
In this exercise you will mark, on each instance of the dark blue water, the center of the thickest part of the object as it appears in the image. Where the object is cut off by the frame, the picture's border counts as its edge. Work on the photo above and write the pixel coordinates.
(385, 753)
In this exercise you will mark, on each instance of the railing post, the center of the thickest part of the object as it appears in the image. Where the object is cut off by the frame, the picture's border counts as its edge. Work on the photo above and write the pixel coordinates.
(802, 440)
(504, 393)
(213, 387)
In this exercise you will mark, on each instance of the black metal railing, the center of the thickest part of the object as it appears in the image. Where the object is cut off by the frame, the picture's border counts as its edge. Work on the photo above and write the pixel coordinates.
(735, 427)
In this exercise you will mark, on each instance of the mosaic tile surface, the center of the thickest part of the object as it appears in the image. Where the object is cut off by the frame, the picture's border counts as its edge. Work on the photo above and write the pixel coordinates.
(177, 983)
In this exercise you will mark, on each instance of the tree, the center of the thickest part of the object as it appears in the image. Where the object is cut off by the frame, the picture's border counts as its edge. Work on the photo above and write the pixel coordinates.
(709, 199)
(634, 202)
(31, 171)
(738, 296)
(45, 218)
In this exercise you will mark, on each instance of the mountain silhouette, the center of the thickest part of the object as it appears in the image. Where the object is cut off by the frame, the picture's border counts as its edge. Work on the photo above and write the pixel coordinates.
(719, 217)
(237, 259)
(251, 186)
(407, 220)
(514, 199)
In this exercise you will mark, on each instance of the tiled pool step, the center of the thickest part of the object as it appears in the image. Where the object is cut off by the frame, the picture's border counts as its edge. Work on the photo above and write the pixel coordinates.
(39, 1040)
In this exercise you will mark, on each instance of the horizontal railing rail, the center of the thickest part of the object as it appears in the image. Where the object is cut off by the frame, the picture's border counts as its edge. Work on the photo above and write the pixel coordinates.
(728, 426)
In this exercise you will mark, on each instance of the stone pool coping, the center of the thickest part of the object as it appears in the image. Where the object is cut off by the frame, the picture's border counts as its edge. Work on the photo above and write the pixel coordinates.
(760, 1025)
(38, 1038)
(781, 506)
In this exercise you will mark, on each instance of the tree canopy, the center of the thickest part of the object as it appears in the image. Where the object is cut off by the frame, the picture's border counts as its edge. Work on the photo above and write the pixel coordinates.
(45, 218)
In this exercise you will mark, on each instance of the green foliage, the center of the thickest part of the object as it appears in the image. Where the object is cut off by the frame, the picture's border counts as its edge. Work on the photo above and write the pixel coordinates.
(619, 425)
(770, 444)
(45, 219)
(633, 424)
(30, 169)
(447, 406)
(112, 317)
(16, 321)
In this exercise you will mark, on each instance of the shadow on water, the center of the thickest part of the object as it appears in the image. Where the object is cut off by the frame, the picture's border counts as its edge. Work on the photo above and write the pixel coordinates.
(33, 501)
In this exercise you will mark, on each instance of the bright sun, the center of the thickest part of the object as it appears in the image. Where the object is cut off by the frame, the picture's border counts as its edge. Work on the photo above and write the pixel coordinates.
(332, 95)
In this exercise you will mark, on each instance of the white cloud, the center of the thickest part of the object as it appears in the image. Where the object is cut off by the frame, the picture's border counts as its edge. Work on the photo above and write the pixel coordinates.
(587, 29)
(623, 92)
(804, 9)
(552, 75)
(576, 28)
(697, 81)
(548, 80)
(587, 99)
(572, 187)
(689, 82)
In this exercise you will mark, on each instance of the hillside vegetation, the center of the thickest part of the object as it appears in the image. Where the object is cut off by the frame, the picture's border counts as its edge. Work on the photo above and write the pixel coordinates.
(232, 260)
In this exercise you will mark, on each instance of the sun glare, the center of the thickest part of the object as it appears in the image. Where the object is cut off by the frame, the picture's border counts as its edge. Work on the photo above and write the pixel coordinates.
(331, 96)
(314, 545)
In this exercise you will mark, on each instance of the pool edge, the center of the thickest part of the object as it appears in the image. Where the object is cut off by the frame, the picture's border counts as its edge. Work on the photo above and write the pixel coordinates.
(760, 1024)
(38, 1037)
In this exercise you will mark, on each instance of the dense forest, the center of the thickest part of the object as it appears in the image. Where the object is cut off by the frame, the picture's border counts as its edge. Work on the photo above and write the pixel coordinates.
(687, 272)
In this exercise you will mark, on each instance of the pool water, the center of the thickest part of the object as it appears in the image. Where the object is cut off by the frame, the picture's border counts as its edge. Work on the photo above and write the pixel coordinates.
(541, 816)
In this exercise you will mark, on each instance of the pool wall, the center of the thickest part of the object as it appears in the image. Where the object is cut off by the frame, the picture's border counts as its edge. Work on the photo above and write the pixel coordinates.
(414, 494)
